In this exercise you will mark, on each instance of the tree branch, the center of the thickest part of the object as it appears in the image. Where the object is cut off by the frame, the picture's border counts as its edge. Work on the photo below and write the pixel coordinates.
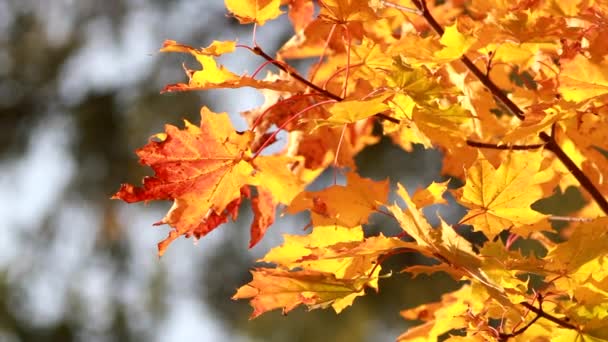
(503, 147)
(550, 142)
(485, 80)
(552, 145)
(504, 336)
(291, 72)
(539, 311)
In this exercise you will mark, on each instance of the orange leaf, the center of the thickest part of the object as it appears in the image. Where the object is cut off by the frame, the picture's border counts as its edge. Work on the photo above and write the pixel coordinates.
(264, 208)
(347, 206)
(301, 13)
(201, 168)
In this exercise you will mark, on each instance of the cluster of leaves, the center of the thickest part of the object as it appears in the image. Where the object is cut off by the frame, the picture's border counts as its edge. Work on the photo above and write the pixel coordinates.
(514, 93)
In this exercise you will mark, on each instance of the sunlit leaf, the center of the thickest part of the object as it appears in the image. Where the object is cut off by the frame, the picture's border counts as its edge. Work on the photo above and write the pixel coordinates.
(254, 11)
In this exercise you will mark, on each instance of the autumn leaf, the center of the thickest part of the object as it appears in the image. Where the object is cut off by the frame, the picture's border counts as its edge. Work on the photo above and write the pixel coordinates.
(347, 112)
(583, 257)
(342, 251)
(272, 289)
(445, 245)
(295, 247)
(455, 44)
(254, 11)
(217, 48)
(344, 11)
(212, 76)
(301, 13)
(432, 194)
(264, 207)
(580, 79)
(441, 317)
(347, 206)
(500, 198)
(201, 169)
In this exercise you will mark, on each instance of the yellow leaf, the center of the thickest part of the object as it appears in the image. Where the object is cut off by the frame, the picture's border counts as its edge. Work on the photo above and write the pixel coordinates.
(441, 317)
(213, 76)
(297, 246)
(456, 44)
(273, 289)
(254, 11)
(278, 178)
(583, 257)
(217, 48)
(580, 79)
(344, 11)
(433, 194)
(347, 112)
(500, 198)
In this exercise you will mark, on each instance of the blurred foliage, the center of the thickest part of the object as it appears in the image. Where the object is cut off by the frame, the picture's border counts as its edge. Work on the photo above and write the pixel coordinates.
(105, 123)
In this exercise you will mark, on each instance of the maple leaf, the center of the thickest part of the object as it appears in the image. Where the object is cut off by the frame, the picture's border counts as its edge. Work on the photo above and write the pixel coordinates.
(344, 11)
(500, 198)
(440, 317)
(445, 245)
(342, 251)
(213, 76)
(580, 79)
(295, 247)
(201, 168)
(347, 206)
(347, 112)
(273, 289)
(583, 257)
(254, 11)
(455, 44)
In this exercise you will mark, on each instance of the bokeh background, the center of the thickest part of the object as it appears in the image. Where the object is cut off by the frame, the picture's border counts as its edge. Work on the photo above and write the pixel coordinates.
(79, 91)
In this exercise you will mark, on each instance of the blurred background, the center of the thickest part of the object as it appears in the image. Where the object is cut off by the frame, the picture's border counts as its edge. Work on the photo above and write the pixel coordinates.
(79, 91)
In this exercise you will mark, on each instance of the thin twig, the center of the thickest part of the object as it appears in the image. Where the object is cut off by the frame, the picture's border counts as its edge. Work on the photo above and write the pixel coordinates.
(504, 147)
(559, 321)
(291, 72)
(570, 219)
(504, 336)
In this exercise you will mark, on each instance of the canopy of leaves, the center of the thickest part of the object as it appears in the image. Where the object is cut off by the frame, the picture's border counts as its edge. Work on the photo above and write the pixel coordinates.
(513, 94)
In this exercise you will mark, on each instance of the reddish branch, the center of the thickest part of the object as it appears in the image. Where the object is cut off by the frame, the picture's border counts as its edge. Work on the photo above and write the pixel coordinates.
(291, 72)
